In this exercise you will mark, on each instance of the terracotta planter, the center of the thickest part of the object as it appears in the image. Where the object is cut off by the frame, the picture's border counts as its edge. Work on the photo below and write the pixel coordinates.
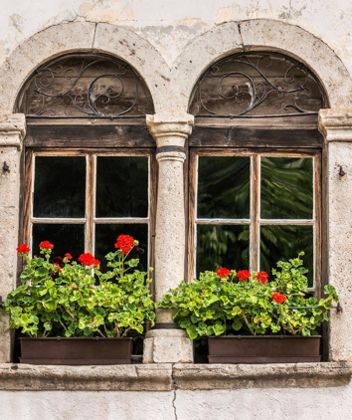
(264, 349)
(76, 351)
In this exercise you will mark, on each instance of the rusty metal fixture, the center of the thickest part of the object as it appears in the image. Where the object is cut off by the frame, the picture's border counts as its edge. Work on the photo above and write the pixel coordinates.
(342, 173)
(5, 168)
(81, 85)
(257, 84)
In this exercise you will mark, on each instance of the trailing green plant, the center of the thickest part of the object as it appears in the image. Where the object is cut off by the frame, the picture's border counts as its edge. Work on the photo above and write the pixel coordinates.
(76, 298)
(229, 302)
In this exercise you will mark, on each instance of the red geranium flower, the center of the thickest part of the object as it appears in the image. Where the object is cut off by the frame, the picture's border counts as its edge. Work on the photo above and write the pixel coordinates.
(68, 256)
(223, 272)
(243, 275)
(88, 259)
(279, 297)
(46, 245)
(125, 243)
(57, 265)
(23, 248)
(262, 277)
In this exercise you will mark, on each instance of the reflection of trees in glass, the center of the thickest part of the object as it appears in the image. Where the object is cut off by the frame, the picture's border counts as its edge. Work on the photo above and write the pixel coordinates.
(284, 242)
(222, 245)
(286, 187)
(223, 187)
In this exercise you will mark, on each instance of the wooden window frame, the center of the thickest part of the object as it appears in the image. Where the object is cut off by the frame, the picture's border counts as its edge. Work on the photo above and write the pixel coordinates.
(226, 141)
(83, 139)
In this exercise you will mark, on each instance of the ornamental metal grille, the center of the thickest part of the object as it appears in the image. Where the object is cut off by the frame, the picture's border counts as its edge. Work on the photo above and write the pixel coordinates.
(257, 84)
(85, 85)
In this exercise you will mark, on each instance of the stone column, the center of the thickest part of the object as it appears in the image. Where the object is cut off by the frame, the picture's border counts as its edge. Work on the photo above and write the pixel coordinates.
(12, 131)
(336, 126)
(165, 343)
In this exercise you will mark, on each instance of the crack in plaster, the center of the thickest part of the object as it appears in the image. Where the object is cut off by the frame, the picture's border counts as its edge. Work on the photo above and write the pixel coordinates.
(241, 36)
(174, 390)
(94, 34)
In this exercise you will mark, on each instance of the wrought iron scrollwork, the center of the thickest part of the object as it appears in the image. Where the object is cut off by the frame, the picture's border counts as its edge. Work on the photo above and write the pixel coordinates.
(86, 85)
(257, 84)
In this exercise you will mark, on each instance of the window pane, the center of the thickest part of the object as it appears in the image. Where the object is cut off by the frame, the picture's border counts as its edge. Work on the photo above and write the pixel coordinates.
(106, 237)
(223, 187)
(66, 238)
(286, 188)
(224, 245)
(284, 242)
(122, 186)
(59, 187)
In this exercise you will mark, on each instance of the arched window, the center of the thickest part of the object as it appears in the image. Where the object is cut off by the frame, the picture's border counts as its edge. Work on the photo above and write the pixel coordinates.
(255, 165)
(89, 163)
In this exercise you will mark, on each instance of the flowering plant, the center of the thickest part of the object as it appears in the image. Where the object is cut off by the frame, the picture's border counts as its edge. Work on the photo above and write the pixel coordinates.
(244, 303)
(76, 298)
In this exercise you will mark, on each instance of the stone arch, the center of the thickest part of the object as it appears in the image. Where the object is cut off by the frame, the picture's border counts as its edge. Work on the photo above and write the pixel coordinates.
(265, 35)
(79, 37)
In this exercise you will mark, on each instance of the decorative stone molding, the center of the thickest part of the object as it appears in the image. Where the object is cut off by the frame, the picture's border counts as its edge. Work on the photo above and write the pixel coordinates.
(168, 377)
(12, 130)
(61, 38)
(262, 35)
(336, 124)
(169, 344)
(170, 131)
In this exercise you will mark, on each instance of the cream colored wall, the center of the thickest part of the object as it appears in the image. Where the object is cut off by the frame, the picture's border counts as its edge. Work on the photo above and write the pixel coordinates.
(170, 42)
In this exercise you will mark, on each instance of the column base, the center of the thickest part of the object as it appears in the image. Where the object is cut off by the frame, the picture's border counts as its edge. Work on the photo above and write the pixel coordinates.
(167, 346)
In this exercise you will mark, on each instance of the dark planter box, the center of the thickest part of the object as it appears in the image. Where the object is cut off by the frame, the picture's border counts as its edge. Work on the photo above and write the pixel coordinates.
(76, 351)
(264, 349)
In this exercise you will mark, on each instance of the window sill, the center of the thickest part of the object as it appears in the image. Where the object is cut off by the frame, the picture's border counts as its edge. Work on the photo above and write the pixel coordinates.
(167, 377)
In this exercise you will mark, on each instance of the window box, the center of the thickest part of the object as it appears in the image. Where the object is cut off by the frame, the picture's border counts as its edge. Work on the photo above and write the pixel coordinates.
(76, 350)
(264, 349)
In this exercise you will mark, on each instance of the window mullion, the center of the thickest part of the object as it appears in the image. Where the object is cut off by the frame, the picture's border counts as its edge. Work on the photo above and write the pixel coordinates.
(254, 212)
(90, 203)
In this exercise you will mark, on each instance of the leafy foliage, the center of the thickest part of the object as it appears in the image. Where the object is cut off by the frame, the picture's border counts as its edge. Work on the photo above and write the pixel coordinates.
(79, 300)
(214, 305)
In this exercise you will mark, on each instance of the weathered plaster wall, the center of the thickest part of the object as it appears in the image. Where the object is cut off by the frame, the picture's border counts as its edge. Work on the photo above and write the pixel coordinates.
(167, 28)
(255, 404)
(170, 24)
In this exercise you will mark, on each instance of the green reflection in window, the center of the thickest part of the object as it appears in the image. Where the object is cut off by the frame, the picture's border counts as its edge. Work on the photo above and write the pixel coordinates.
(286, 188)
(281, 242)
(223, 187)
(222, 245)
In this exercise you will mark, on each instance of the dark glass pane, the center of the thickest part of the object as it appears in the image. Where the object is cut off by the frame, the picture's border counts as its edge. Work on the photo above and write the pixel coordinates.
(284, 242)
(66, 238)
(222, 245)
(287, 188)
(122, 186)
(59, 186)
(223, 187)
(105, 238)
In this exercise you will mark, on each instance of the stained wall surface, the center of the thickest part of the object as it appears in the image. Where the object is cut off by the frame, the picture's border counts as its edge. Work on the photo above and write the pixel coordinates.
(170, 42)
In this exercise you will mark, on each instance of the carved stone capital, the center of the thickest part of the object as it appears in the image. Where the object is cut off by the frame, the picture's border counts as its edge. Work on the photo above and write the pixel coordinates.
(336, 124)
(170, 132)
(12, 130)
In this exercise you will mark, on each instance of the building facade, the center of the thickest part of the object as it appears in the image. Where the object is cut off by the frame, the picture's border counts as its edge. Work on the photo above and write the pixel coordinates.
(155, 80)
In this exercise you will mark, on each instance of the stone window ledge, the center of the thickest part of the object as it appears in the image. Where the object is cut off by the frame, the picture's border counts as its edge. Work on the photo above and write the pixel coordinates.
(168, 377)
